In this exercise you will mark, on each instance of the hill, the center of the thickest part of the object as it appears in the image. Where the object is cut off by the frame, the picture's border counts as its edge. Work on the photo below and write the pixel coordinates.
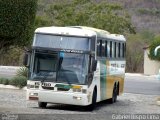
(145, 14)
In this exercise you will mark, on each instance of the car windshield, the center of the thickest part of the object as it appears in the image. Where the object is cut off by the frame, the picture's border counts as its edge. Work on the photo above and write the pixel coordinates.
(60, 67)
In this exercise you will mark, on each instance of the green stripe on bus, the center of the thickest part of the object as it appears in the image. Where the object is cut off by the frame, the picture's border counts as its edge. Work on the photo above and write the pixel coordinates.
(63, 86)
(103, 79)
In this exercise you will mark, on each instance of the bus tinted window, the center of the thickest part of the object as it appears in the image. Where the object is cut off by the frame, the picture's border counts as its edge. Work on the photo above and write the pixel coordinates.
(123, 50)
(111, 49)
(62, 42)
(103, 48)
(106, 48)
(99, 48)
(115, 49)
(119, 50)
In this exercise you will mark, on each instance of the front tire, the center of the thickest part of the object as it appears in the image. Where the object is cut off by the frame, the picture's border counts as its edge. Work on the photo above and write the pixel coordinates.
(42, 104)
(93, 104)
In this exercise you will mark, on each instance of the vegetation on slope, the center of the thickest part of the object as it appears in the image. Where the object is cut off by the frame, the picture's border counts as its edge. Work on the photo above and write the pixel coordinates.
(16, 22)
(110, 15)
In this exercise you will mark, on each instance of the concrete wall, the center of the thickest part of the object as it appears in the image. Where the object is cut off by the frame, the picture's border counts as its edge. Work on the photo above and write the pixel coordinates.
(8, 71)
(151, 67)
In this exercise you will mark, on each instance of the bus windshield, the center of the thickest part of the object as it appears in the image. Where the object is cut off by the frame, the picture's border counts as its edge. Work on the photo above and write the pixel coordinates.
(70, 68)
(73, 68)
(44, 65)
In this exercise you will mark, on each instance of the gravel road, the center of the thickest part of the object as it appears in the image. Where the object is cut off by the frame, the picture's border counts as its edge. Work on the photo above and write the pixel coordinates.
(13, 102)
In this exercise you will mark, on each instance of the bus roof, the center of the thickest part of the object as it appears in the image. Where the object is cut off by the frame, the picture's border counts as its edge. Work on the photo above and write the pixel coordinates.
(80, 31)
(103, 33)
(65, 31)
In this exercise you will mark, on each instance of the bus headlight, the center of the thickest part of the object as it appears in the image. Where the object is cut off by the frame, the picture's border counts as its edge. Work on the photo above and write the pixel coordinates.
(77, 98)
(33, 94)
(76, 90)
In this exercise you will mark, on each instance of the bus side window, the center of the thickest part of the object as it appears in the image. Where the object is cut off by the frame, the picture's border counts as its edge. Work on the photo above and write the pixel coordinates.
(115, 50)
(110, 49)
(119, 50)
(123, 50)
(103, 49)
(106, 48)
(99, 47)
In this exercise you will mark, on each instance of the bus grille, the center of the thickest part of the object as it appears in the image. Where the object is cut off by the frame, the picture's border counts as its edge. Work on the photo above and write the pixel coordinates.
(62, 89)
(48, 88)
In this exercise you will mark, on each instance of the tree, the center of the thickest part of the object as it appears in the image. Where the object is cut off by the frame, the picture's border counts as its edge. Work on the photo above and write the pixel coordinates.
(154, 44)
(41, 21)
(103, 15)
(16, 22)
(134, 52)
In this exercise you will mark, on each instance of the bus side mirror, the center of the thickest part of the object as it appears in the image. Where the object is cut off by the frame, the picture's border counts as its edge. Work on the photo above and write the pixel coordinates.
(94, 65)
(26, 59)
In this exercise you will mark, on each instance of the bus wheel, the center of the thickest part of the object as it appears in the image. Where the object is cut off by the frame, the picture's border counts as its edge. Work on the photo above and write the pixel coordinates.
(42, 104)
(114, 95)
(94, 98)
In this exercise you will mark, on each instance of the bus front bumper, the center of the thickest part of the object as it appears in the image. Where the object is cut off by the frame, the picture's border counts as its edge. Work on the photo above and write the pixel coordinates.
(59, 97)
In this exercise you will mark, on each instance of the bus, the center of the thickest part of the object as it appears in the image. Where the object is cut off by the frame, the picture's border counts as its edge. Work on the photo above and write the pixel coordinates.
(75, 65)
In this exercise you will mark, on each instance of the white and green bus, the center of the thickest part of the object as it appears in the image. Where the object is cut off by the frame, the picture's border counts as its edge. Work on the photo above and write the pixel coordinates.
(75, 65)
